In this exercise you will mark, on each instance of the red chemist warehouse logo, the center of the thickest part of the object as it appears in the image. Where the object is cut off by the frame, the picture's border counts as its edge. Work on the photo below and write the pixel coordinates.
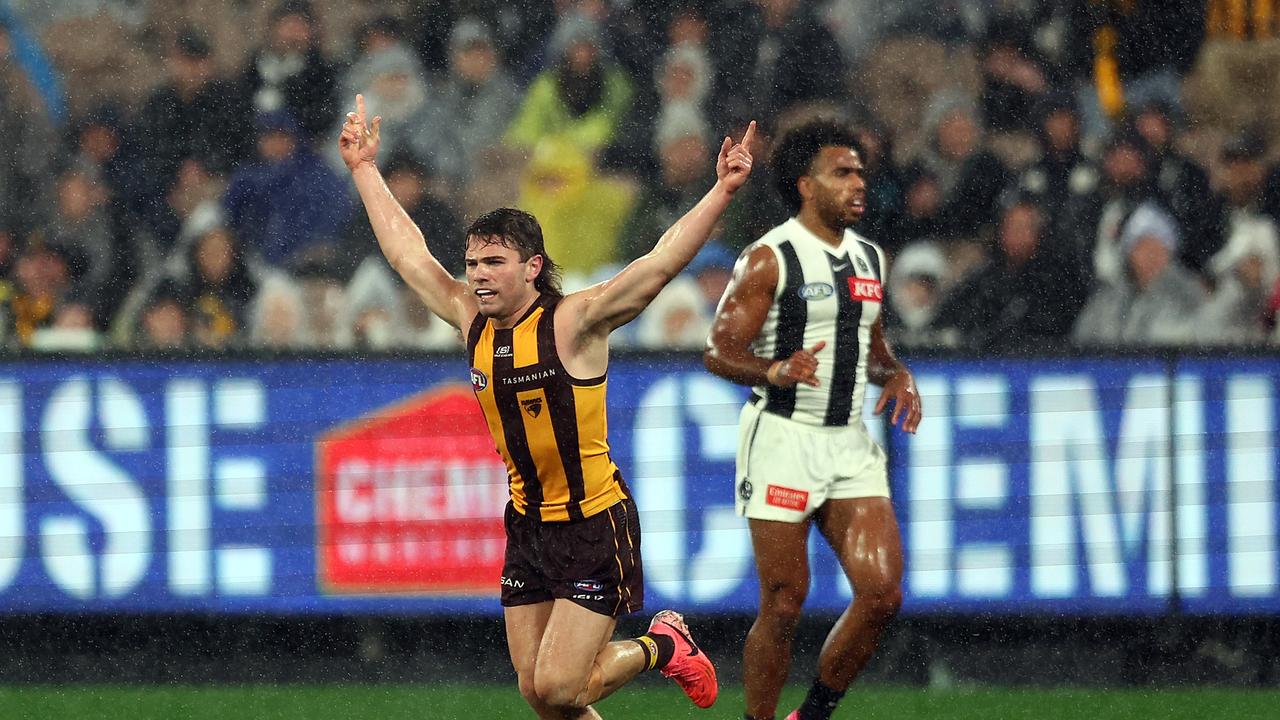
(409, 499)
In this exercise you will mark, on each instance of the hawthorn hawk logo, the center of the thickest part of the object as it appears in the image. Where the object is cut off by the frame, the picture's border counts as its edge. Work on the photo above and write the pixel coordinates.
(533, 406)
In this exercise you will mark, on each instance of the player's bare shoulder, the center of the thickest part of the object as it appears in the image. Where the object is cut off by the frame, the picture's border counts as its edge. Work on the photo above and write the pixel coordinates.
(757, 265)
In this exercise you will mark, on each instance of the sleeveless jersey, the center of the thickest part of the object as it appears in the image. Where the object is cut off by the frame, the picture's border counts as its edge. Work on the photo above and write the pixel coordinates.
(823, 293)
(549, 428)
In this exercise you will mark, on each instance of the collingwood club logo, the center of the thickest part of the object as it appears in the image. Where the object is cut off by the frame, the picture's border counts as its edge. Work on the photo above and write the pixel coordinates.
(744, 490)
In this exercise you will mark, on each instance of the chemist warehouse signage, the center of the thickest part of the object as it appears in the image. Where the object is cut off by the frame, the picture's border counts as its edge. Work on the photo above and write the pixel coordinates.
(322, 486)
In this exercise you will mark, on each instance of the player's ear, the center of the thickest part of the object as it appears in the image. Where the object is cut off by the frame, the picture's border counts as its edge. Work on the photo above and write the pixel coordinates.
(533, 268)
(803, 186)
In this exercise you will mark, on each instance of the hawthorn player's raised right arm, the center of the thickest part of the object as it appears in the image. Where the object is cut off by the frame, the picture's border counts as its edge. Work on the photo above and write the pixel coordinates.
(398, 236)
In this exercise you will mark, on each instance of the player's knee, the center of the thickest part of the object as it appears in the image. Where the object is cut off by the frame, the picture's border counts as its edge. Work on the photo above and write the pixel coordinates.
(783, 602)
(881, 600)
(528, 690)
(557, 692)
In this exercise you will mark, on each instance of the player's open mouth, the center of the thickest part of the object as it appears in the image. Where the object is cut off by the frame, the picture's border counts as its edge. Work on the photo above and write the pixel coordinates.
(482, 293)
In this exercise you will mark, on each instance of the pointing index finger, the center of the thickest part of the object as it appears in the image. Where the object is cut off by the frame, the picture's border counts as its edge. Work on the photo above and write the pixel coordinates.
(360, 108)
(748, 136)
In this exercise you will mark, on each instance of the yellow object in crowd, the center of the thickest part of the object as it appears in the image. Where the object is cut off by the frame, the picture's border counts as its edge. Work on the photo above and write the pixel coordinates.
(581, 213)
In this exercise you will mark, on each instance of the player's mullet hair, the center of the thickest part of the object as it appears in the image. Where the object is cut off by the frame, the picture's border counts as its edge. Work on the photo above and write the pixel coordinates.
(520, 231)
(794, 152)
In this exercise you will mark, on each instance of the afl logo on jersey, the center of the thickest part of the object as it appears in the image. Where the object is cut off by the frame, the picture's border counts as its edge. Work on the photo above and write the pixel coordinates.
(479, 381)
(816, 291)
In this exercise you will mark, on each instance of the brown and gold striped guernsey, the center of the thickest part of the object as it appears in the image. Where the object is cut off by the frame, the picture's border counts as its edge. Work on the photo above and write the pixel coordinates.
(550, 428)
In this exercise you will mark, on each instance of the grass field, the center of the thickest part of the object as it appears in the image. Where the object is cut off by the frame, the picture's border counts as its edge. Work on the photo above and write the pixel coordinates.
(395, 702)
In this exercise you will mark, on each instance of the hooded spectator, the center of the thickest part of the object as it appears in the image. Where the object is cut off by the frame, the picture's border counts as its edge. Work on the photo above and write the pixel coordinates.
(1156, 301)
(581, 98)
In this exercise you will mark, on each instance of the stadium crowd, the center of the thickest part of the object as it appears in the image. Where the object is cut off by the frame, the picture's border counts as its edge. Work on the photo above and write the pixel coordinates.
(1042, 173)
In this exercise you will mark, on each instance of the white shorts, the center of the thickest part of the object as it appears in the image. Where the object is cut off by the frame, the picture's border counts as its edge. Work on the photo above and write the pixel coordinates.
(788, 469)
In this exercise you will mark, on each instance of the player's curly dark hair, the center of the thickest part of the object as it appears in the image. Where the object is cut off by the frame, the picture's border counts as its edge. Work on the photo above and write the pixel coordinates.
(793, 154)
(520, 231)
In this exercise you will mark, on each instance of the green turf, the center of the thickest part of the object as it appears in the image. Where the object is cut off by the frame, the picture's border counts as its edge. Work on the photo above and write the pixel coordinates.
(392, 702)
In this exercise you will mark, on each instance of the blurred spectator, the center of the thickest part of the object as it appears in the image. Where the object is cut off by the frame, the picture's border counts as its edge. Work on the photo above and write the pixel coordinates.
(221, 287)
(685, 158)
(42, 285)
(680, 317)
(100, 146)
(582, 97)
(26, 163)
(520, 29)
(637, 32)
(289, 202)
(278, 315)
(378, 33)
(105, 260)
(373, 316)
(581, 212)
(921, 216)
(918, 277)
(1131, 52)
(1095, 214)
(194, 202)
(165, 323)
(73, 330)
(416, 114)
(324, 299)
(682, 79)
(479, 91)
(407, 179)
(757, 207)
(969, 178)
(423, 330)
(1063, 168)
(885, 192)
(1246, 266)
(289, 71)
(1156, 301)
(194, 115)
(1182, 183)
(858, 25)
(1247, 228)
(1006, 303)
(774, 54)
(952, 21)
(1012, 79)
(1238, 313)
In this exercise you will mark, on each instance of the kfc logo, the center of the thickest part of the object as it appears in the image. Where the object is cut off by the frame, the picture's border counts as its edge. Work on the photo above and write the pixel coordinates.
(865, 290)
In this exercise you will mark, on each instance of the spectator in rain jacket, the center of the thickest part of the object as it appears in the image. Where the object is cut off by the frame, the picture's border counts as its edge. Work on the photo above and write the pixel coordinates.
(582, 97)
(1025, 295)
(289, 201)
(1156, 301)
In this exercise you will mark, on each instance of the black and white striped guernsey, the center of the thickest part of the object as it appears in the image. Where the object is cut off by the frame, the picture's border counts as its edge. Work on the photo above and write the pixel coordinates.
(823, 293)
